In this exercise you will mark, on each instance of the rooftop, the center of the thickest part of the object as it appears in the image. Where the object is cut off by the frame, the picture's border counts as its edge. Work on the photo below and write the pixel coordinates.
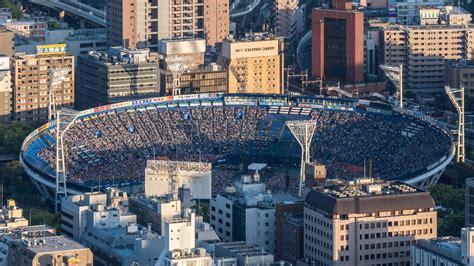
(448, 247)
(365, 187)
(242, 249)
(121, 56)
(257, 36)
(365, 195)
(51, 244)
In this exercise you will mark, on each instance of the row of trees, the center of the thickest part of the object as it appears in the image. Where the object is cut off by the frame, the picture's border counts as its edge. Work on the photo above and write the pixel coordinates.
(14, 184)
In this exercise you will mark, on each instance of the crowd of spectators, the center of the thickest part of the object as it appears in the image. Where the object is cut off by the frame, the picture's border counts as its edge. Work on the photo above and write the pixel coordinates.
(114, 146)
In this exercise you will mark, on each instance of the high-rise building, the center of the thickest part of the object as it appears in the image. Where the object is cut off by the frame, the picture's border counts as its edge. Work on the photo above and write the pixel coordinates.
(7, 42)
(254, 63)
(423, 58)
(286, 18)
(366, 221)
(127, 23)
(31, 82)
(142, 23)
(116, 75)
(5, 89)
(338, 43)
(216, 21)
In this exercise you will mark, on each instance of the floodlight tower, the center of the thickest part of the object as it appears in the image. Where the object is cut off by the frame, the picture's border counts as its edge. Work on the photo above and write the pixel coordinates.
(457, 98)
(395, 75)
(56, 78)
(64, 119)
(177, 65)
(303, 131)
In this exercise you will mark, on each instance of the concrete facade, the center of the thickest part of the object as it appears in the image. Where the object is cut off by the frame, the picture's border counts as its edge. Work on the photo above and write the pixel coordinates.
(6, 90)
(216, 21)
(115, 76)
(254, 64)
(389, 219)
(31, 84)
(423, 51)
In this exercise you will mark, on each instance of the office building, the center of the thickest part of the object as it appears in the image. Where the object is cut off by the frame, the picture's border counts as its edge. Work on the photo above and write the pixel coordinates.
(289, 231)
(216, 21)
(246, 212)
(48, 250)
(94, 209)
(460, 73)
(31, 78)
(161, 175)
(5, 89)
(424, 58)
(85, 40)
(211, 78)
(445, 251)
(7, 41)
(366, 221)
(116, 75)
(254, 63)
(338, 43)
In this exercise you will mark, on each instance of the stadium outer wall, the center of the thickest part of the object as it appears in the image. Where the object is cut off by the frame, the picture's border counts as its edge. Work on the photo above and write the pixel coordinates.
(45, 182)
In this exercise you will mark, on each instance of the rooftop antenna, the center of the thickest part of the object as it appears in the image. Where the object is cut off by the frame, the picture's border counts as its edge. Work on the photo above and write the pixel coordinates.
(370, 168)
(365, 175)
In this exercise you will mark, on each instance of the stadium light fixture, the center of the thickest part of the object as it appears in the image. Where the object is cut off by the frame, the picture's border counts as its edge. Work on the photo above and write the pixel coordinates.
(395, 75)
(303, 131)
(64, 119)
(457, 98)
(56, 78)
(177, 65)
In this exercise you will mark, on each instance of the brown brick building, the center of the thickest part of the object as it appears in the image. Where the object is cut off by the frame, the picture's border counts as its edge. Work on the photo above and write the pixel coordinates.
(338, 43)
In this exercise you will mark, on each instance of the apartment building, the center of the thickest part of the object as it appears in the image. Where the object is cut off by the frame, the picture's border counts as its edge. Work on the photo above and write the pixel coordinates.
(366, 221)
(254, 63)
(216, 21)
(423, 50)
(31, 82)
(286, 18)
(407, 9)
(142, 23)
(5, 89)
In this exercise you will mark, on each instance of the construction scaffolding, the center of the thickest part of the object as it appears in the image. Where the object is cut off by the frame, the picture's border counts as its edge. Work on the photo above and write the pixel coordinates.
(457, 98)
(303, 131)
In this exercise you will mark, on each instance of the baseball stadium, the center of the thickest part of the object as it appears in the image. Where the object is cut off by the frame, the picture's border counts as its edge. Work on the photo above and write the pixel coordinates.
(110, 145)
